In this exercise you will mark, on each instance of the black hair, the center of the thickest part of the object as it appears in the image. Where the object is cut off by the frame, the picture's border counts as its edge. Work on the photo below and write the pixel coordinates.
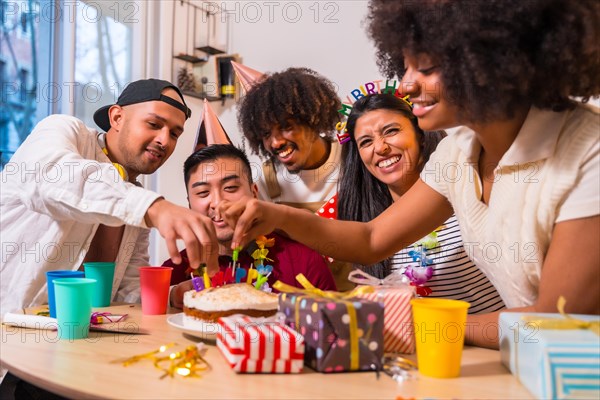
(361, 196)
(213, 153)
(495, 56)
(297, 94)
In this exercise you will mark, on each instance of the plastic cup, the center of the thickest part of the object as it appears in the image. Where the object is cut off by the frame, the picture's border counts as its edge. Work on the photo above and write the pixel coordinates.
(154, 285)
(103, 273)
(439, 334)
(73, 306)
(50, 276)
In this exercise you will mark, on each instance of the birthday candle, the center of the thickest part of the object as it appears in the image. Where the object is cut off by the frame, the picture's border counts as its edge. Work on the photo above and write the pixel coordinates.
(218, 279)
(260, 280)
(240, 273)
(229, 275)
(252, 274)
(197, 283)
(206, 279)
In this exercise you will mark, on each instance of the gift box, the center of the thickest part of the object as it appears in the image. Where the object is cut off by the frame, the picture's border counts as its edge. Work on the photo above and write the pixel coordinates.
(256, 345)
(395, 296)
(552, 363)
(339, 334)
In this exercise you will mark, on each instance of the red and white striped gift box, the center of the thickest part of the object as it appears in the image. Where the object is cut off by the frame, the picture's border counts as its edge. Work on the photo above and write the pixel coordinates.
(398, 331)
(251, 345)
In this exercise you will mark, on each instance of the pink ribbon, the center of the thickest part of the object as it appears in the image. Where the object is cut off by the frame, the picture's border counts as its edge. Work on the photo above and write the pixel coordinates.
(107, 315)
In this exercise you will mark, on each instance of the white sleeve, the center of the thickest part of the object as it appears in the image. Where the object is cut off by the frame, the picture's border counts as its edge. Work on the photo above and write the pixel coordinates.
(53, 178)
(129, 289)
(584, 199)
(433, 174)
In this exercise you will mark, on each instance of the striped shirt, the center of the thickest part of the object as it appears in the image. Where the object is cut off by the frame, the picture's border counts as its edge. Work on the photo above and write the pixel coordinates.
(455, 276)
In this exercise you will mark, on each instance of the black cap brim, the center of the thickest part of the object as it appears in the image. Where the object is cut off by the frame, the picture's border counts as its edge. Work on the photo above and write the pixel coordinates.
(101, 118)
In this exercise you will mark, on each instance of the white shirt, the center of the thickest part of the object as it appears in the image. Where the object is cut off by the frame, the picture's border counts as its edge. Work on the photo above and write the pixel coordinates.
(549, 174)
(57, 189)
(306, 186)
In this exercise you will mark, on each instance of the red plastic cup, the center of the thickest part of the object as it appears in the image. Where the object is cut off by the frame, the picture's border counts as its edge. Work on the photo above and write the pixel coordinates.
(154, 284)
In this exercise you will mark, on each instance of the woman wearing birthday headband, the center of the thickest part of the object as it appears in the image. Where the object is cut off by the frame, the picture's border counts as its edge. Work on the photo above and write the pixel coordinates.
(382, 160)
(521, 173)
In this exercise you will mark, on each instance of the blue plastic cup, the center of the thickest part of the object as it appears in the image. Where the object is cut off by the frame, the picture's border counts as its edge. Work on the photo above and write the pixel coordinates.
(103, 273)
(50, 276)
(73, 307)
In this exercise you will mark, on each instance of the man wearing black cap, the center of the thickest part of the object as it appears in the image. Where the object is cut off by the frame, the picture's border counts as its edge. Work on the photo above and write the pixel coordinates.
(70, 195)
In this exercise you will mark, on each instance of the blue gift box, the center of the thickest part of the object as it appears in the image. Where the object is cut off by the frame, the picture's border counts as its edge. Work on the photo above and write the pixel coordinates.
(551, 363)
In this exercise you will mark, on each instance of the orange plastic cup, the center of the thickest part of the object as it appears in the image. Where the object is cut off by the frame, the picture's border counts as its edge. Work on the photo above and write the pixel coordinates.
(154, 285)
(439, 335)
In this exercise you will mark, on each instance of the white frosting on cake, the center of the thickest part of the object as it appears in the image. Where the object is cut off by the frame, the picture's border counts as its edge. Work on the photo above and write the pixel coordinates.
(238, 296)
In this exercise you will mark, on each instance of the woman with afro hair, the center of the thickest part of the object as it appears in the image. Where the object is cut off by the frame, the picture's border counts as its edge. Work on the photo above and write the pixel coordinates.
(521, 172)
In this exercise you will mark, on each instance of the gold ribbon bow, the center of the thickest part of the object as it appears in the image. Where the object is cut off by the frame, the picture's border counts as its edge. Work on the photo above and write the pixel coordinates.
(568, 322)
(310, 291)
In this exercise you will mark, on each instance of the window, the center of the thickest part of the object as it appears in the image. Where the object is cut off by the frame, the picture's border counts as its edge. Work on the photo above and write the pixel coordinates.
(103, 51)
(23, 34)
(69, 57)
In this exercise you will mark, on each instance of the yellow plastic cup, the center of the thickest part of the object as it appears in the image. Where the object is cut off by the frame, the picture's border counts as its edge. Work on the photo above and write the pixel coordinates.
(439, 326)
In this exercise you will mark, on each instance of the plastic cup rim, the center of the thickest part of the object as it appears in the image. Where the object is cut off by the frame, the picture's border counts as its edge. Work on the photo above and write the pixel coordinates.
(98, 264)
(440, 303)
(64, 272)
(154, 268)
(73, 281)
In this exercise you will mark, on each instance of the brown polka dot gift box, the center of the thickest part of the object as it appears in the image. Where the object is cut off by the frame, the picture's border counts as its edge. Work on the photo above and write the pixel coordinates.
(341, 332)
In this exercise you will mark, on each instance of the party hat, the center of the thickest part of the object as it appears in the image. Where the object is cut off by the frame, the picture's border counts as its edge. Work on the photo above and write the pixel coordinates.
(247, 76)
(210, 130)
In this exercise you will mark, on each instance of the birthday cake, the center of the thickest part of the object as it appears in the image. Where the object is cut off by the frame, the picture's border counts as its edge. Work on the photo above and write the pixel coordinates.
(239, 298)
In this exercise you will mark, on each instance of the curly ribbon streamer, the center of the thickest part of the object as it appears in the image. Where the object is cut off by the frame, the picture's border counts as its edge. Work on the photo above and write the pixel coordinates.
(362, 278)
(99, 317)
(568, 322)
(310, 291)
(186, 363)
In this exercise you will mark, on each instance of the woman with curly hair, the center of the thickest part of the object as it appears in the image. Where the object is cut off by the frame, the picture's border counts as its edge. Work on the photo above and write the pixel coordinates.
(289, 117)
(521, 173)
(380, 163)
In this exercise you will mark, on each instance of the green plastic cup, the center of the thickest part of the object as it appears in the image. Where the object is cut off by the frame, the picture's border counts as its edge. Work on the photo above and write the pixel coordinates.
(103, 273)
(73, 298)
(50, 277)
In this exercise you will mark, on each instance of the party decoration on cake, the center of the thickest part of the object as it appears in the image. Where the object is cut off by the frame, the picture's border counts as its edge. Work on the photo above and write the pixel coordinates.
(260, 255)
(210, 130)
(341, 332)
(259, 345)
(246, 75)
(187, 363)
(212, 303)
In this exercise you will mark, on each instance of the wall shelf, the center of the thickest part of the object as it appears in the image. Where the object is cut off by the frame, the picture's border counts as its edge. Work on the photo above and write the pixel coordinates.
(190, 58)
(196, 66)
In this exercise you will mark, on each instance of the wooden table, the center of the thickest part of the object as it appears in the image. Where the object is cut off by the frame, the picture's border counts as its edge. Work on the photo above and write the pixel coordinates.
(82, 369)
